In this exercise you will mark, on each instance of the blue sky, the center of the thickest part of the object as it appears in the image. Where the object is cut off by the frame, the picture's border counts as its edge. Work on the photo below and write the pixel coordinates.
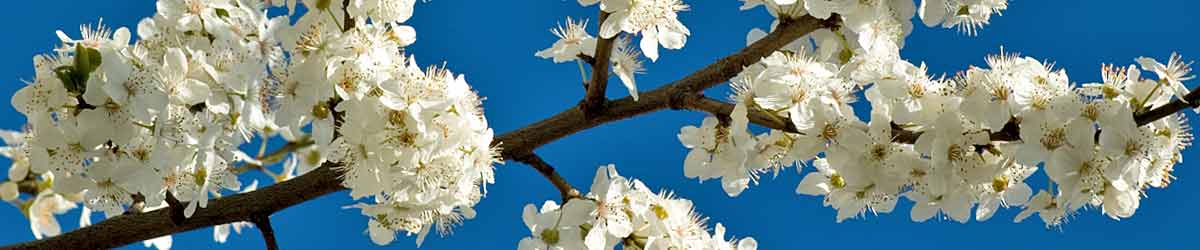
(493, 42)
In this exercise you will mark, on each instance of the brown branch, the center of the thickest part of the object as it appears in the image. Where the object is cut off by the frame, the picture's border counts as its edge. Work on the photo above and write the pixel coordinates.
(768, 120)
(593, 100)
(1010, 132)
(175, 209)
(28, 186)
(348, 21)
(127, 229)
(564, 188)
(263, 223)
(787, 31)
(671, 95)
(138, 205)
(586, 59)
(1192, 101)
(719, 108)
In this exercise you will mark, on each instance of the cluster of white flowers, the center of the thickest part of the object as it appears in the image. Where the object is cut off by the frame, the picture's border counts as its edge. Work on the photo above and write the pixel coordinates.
(874, 27)
(112, 124)
(117, 127)
(655, 20)
(417, 143)
(620, 211)
(946, 144)
(573, 40)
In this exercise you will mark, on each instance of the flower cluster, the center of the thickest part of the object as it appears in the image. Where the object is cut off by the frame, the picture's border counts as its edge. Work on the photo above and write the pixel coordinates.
(946, 144)
(418, 144)
(573, 40)
(874, 28)
(950, 144)
(655, 20)
(620, 211)
(114, 125)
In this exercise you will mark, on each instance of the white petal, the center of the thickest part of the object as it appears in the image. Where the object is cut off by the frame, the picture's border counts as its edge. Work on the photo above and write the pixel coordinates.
(1017, 194)
(577, 212)
(221, 233)
(675, 40)
(379, 235)
(958, 208)
(596, 238)
(649, 44)
(922, 212)
(755, 35)
(619, 228)
(748, 243)
(932, 12)
(627, 79)
(612, 25)
(734, 186)
(813, 184)
(694, 164)
(9, 191)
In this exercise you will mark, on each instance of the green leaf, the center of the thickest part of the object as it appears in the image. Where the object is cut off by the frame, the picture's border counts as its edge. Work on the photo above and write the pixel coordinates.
(95, 57)
(222, 13)
(69, 78)
(323, 4)
(845, 55)
(87, 60)
(81, 58)
(75, 77)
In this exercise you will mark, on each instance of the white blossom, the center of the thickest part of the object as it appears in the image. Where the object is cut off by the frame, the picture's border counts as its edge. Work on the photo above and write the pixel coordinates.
(623, 212)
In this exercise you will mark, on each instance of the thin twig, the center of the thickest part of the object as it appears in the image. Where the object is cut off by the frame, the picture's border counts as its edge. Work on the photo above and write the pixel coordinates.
(573, 120)
(564, 188)
(719, 108)
(593, 100)
(348, 20)
(586, 59)
(1191, 100)
(139, 204)
(263, 223)
(175, 208)
(1010, 132)
(28, 186)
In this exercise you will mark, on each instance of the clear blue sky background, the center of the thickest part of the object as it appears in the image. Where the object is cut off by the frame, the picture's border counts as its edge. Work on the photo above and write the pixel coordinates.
(493, 42)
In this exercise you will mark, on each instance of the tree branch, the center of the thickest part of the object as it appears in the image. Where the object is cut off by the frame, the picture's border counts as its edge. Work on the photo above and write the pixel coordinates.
(787, 31)
(28, 186)
(1191, 100)
(671, 95)
(348, 21)
(593, 100)
(718, 108)
(175, 209)
(263, 223)
(131, 228)
(564, 188)
(127, 229)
